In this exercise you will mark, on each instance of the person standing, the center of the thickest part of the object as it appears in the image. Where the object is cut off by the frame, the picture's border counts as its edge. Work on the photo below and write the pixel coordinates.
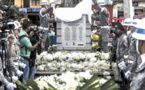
(138, 66)
(44, 21)
(121, 51)
(25, 50)
(105, 29)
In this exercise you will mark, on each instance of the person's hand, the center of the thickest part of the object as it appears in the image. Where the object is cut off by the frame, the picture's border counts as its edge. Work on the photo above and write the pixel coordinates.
(11, 86)
(122, 65)
(127, 74)
(31, 33)
(22, 65)
(11, 39)
(19, 73)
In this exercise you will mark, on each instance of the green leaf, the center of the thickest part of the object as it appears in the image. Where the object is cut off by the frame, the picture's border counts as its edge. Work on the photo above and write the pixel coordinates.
(33, 84)
(108, 84)
(89, 83)
(21, 86)
(50, 86)
(113, 87)
(94, 86)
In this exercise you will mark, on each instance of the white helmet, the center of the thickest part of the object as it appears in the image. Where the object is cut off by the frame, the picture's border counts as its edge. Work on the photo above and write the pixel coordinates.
(18, 24)
(127, 22)
(135, 22)
(139, 32)
(44, 2)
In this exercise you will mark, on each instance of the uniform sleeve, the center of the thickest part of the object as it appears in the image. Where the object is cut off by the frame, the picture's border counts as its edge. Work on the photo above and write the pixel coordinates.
(97, 5)
(12, 66)
(44, 11)
(125, 43)
(134, 65)
(132, 50)
(26, 42)
(105, 12)
(2, 78)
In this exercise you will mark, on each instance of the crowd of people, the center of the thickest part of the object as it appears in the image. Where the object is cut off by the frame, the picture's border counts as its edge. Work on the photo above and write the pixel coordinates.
(22, 42)
(19, 49)
(128, 51)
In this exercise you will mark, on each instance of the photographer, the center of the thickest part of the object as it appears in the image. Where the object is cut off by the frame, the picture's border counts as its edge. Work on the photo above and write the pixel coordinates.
(34, 37)
(25, 51)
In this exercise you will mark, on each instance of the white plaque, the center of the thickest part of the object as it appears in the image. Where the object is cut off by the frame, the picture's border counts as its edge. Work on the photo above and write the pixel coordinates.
(74, 33)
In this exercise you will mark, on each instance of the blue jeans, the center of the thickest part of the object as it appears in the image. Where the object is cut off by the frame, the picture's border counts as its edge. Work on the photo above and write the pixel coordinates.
(28, 72)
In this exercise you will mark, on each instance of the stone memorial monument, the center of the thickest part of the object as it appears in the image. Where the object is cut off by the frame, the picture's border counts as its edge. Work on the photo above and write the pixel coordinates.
(74, 36)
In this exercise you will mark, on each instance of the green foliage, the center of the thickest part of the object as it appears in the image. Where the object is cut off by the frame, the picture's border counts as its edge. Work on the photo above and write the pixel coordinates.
(13, 12)
(93, 84)
(32, 85)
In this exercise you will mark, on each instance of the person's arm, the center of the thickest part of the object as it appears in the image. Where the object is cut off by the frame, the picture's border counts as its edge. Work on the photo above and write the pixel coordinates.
(45, 11)
(104, 10)
(3, 79)
(27, 43)
(11, 41)
(32, 48)
(97, 5)
(10, 49)
(125, 43)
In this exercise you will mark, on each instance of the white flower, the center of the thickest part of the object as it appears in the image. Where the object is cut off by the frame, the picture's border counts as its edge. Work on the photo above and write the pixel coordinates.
(82, 56)
(80, 66)
(43, 53)
(93, 54)
(75, 56)
(69, 56)
(93, 59)
(41, 67)
(102, 81)
(55, 56)
(42, 84)
(89, 56)
(49, 57)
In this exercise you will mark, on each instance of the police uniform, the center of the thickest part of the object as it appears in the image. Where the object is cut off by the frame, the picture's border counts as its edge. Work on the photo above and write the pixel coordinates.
(122, 47)
(138, 80)
(44, 20)
(15, 59)
(105, 29)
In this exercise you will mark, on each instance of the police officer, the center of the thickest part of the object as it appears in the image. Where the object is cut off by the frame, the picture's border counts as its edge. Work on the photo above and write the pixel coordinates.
(132, 47)
(105, 29)
(138, 80)
(44, 21)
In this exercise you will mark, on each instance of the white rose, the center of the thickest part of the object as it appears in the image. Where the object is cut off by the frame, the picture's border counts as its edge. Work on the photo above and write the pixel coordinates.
(82, 56)
(55, 56)
(93, 59)
(49, 57)
(41, 67)
(69, 56)
(89, 55)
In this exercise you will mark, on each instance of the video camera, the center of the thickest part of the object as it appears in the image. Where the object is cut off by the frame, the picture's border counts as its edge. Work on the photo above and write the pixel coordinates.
(37, 34)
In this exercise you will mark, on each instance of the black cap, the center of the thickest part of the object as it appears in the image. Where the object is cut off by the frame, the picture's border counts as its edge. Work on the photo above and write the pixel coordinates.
(120, 27)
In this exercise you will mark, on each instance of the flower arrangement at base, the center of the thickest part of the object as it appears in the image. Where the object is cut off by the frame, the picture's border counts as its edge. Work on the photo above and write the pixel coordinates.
(76, 81)
(71, 61)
